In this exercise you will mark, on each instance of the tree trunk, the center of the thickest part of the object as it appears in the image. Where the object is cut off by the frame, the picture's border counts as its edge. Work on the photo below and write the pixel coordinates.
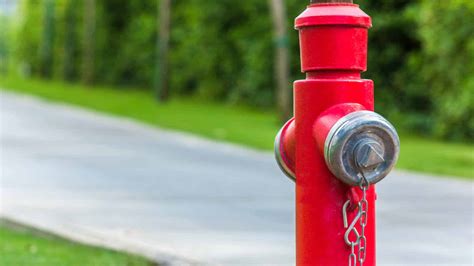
(282, 59)
(162, 64)
(88, 59)
(69, 62)
(46, 49)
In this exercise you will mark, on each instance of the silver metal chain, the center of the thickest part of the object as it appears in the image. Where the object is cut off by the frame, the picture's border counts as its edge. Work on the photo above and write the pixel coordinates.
(363, 210)
(352, 237)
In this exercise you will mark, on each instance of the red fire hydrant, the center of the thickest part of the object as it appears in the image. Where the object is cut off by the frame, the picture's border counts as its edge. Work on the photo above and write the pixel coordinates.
(335, 148)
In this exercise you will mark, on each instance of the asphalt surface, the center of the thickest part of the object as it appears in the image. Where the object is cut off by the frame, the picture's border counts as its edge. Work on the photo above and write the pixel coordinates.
(179, 198)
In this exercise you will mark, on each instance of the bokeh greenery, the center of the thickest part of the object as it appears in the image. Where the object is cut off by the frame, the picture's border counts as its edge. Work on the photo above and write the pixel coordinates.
(421, 53)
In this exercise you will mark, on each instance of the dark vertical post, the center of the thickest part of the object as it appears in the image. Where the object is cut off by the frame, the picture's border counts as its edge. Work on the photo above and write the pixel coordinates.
(46, 49)
(88, 60)
(70, 48)
(162, 64)
(282, 59)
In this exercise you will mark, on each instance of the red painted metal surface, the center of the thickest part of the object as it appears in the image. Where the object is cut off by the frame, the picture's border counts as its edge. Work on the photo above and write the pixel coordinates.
(319, 195)
(329, 117)
(333, 44)
(288, 144)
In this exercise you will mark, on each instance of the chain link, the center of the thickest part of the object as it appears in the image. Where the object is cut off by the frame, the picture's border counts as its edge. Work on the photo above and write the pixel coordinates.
(363, 209)
(353, 257)
(360, 240)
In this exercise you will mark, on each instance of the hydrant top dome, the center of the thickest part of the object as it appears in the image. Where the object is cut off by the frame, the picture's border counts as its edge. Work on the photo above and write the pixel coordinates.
(333, 14)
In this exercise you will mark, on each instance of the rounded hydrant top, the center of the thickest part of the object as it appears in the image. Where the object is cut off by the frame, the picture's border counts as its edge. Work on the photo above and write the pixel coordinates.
(330, 1)
(345, 13)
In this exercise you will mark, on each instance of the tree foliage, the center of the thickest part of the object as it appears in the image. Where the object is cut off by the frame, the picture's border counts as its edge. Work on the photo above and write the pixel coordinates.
(443, 70)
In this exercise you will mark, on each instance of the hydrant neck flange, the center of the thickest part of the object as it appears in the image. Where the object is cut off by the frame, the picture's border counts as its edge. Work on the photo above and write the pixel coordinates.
(333, 14)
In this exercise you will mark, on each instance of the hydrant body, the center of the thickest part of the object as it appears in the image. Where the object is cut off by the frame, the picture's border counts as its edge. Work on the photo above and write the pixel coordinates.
(334, 134)
(333, 44)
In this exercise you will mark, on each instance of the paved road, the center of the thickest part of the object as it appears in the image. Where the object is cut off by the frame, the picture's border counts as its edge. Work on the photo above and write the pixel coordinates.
(171, 196)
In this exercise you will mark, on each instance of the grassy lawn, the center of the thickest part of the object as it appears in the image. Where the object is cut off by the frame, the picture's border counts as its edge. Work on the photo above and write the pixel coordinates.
(21, 246)
(235, 124)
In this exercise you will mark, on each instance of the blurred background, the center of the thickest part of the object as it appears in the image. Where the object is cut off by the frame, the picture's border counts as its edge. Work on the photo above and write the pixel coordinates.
(214, 57)
(219, 52)
(421, 53)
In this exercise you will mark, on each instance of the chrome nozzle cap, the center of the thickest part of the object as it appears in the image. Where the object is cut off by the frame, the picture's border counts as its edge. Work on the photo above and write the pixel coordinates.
(361, 142)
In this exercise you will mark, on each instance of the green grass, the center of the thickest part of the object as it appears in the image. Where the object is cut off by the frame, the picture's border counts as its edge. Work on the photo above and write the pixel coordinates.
(425, 155)
(22, 246)
(235, 124)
